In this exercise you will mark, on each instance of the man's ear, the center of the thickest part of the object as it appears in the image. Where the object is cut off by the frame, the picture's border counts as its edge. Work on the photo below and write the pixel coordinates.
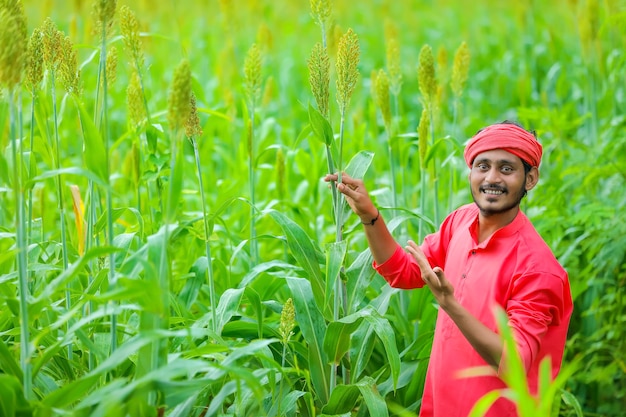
(532, 178)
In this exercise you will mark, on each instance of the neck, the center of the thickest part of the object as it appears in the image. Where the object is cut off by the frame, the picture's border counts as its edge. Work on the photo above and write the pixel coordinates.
(488, 223)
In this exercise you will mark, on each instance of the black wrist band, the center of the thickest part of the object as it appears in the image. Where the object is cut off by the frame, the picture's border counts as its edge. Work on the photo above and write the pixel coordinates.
(373, 220)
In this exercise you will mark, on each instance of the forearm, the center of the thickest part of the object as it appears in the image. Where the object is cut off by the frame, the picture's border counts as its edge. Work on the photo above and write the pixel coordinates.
(485, 341)
(381, 242)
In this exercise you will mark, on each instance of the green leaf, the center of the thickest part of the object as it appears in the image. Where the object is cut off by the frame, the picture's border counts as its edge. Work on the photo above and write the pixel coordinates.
(313, 328)
(228, 306)
(375, 403)
(320, 126)
(359, 276)
(12, 399)
(338, 334)
(384, 331)
(335, 254)
(175, 183)
(486, 401)
(342, 400)
(94, 152)
(303, 250)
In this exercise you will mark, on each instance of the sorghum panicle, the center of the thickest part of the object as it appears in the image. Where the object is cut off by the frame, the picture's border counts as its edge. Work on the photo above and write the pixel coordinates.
(134, 100)
(426, 75)
(319, 77)
(252, 74)
(68, 68)
(179, 100)
(460, 69)
(321, 11)
(111, 65)
(13, 41)
(130, 32)
(192, 125)
(287, 320)
(392, 50)
(382, 98)
(348, 54)
(104, 12)
(34, 66)
(52, 45)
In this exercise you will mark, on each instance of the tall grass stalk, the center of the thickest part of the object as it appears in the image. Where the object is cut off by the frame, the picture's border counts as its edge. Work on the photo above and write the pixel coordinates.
(460, 74)
(252, 73)
(105, 11)
(381, 96)
(321, 11)
(21, 244)
(348, 54)
(428, 88)
(193, 131)
(13, 56)
(422, 132)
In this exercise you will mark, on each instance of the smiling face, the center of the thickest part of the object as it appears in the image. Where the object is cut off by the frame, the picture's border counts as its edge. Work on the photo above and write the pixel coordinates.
(498, 182)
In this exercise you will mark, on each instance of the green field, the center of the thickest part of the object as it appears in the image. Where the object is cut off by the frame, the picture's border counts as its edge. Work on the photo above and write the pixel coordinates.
(153, 263)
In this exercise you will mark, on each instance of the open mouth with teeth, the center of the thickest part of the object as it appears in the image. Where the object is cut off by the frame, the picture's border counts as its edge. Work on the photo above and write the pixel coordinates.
(493, 191)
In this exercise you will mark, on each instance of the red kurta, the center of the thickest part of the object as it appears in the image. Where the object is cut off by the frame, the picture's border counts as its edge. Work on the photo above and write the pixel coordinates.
(514, 268)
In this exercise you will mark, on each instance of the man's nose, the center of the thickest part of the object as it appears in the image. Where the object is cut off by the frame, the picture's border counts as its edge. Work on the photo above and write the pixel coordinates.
(493, 176)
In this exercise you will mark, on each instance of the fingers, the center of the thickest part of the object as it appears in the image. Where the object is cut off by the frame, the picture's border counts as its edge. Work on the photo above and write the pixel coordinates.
(430, 276)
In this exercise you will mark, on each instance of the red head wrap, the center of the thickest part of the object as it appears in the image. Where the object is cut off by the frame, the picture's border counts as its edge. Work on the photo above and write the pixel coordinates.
(508, 137)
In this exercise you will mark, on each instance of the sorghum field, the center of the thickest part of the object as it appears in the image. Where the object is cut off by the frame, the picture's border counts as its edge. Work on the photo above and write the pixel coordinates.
(168, 245)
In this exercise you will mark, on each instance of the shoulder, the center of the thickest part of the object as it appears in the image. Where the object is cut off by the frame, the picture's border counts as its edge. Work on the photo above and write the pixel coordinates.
(465, 214)
(538, 254)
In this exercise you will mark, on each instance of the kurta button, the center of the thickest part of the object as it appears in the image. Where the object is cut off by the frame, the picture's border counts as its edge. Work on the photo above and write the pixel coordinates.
(463, 276)
(473, 252)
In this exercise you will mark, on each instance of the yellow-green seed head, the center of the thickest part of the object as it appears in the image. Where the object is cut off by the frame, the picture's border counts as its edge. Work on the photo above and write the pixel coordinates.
(268, 91)
(588, 25)
(34, 68)
(426, 75)
(192, 126)
(103, 13)
(287, 320)
(321, 11)
(319, 77)
(264, 37)
(68, 68)
(348, 54)
(13, 41)
(252, 74)
(111, 65)
(381, 96)
(179, 100)
(130, 32)
(460, 69)
(52, 45)
(422, 133)
(134, 100)
(392, 50)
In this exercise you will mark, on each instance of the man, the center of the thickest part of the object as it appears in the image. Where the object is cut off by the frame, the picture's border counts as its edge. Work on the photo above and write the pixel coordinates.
(485, 254)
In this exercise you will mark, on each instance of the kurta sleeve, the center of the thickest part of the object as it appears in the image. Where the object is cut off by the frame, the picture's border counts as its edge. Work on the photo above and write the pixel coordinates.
(401, 270)
(539, 300)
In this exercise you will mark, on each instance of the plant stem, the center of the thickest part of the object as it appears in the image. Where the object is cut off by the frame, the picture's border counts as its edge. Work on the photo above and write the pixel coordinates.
(206, 241)
(251, 179)
(22, 264)
(435, 178)
(61, 205)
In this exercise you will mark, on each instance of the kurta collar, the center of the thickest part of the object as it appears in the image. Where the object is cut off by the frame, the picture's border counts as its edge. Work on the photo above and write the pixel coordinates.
(508, 230)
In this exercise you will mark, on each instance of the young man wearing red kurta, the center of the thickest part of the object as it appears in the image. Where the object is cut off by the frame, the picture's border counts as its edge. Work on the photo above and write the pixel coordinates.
(485, 254)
